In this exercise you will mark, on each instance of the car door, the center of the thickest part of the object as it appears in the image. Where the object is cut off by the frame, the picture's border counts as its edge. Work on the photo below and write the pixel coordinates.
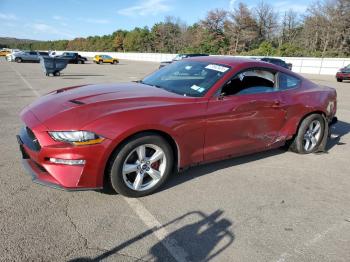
(25, 56)
(105, 59)
(246, 117)
(33, 56)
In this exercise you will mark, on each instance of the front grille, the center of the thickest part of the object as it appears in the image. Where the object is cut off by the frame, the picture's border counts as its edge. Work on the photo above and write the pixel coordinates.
(29, 139)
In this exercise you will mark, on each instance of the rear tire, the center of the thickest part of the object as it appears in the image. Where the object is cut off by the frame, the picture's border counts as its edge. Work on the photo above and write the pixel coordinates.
(19, 60)
(139, 154)
(309, 135)
(339, 80)
(115, 62)
(79, 62)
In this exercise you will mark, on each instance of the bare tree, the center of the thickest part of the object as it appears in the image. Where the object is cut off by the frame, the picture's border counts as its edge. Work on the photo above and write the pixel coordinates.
(266, 20)
(241, 29)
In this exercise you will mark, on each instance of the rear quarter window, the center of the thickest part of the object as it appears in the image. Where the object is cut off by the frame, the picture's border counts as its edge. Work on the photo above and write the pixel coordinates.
(286, 82)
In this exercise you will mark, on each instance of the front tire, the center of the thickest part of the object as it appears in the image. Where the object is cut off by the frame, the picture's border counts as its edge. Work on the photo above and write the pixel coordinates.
(309, 136)
(100, 62)
(339, 80)
(141, 165)
(19, 60)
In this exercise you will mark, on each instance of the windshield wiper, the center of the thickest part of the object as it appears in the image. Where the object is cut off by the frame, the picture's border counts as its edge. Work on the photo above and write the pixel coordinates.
(140, 81)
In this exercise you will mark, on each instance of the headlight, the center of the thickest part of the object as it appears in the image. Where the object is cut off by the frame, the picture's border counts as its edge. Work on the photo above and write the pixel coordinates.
(76, 137)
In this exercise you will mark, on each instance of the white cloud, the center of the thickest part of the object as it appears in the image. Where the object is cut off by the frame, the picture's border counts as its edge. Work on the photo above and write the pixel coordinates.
(232, 4)
(9, 17)
(287, 5)
(59, 18)
(50, 30)
(94, 20)
(147, 7)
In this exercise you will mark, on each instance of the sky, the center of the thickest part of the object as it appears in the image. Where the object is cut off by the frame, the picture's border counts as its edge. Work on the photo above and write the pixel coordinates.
(68, 19)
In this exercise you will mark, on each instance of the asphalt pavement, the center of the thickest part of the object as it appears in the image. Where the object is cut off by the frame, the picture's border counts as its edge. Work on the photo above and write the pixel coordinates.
(273, 206)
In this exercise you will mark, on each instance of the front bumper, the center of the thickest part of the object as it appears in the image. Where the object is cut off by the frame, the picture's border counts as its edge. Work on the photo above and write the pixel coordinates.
(37, 147)
(343, 76)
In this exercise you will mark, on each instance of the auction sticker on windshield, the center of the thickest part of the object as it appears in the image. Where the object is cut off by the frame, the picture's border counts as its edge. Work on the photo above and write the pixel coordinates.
(218, 68)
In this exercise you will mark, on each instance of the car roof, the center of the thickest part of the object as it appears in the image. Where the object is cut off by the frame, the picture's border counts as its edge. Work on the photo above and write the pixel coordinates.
(271, 59)
(229, 60)
(241, 62)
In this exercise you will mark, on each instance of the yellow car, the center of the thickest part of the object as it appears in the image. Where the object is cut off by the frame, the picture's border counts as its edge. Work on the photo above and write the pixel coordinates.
(4, 52)
(100, 59)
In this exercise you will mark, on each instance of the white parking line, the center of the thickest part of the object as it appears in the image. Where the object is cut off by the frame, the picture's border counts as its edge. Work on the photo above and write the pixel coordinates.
(25, 81)
(317, 238)
(176, 251)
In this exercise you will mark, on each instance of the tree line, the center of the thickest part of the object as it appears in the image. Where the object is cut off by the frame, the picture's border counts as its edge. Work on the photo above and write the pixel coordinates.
(322, 31)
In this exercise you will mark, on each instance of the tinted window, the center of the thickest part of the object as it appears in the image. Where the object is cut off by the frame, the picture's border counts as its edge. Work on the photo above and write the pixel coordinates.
(287, 82)
(108, 57)
(251, 82)
(32, 53)
(189, 78)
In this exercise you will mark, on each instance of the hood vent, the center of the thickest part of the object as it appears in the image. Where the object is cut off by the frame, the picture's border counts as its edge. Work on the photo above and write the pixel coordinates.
(77, 102)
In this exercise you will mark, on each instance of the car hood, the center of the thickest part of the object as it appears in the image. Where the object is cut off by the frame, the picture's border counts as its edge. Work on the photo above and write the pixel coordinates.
(74, 107)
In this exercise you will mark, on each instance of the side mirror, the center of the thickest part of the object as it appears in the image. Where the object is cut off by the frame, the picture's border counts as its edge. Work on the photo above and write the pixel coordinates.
(221, 96)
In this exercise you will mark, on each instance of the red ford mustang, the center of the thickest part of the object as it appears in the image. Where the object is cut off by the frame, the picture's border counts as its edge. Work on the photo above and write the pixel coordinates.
(133, 135)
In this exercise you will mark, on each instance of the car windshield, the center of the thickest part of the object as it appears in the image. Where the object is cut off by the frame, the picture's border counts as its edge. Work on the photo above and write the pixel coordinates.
(187, 78)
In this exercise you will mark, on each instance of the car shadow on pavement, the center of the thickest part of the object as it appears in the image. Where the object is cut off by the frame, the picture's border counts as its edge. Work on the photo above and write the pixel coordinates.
(202, 238)
(204, 169)
(338, 130)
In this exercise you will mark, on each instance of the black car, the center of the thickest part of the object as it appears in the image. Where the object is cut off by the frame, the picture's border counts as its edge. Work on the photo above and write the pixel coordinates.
(180, 57)
(74, 58)
(278, 62)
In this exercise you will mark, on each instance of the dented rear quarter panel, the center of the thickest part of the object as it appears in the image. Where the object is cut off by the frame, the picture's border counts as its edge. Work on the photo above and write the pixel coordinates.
(302, 101)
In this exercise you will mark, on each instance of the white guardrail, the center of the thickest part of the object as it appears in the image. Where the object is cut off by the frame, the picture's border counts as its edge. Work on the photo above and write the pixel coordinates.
(308, 65)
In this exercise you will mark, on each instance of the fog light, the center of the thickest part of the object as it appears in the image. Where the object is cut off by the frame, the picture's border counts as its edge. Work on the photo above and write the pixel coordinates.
(71, 162)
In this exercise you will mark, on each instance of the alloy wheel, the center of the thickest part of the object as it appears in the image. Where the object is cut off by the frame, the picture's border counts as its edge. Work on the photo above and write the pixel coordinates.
(312, 135)
(144, 167)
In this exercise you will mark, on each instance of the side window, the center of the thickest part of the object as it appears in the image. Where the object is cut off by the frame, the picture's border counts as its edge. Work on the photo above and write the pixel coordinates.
(286, 82)
(253, 81)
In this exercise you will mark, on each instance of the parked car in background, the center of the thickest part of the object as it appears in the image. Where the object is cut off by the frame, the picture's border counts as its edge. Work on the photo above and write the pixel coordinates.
(28, 56)
(9, 57)
(53, 54)
(277, 61)
(74, 58)
(132, 136)
(179, 57)
(343, 74)
(5, 51)
(100, 59)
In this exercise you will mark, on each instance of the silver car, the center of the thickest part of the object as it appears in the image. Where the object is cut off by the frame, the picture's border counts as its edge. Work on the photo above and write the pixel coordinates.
(28, 56)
